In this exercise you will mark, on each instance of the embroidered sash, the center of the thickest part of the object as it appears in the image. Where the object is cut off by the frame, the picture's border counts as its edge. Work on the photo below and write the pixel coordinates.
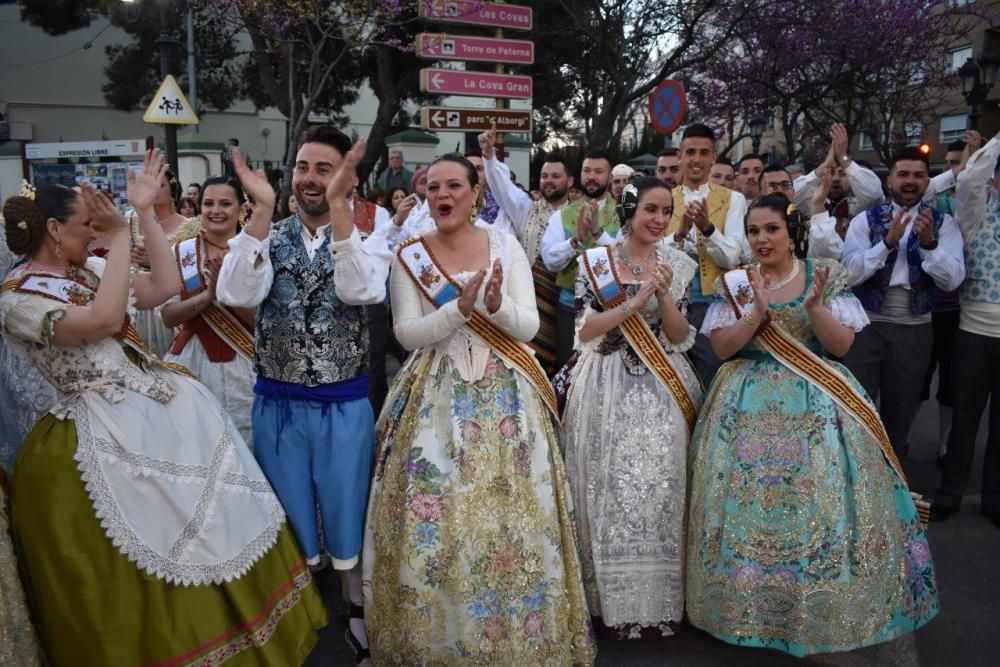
(77, 293)
(808, 365)
(604, 279)
(439, 289)
(222, 320)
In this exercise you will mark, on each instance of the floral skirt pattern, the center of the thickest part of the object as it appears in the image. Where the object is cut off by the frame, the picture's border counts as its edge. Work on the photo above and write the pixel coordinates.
(470, 555)
(801, 536)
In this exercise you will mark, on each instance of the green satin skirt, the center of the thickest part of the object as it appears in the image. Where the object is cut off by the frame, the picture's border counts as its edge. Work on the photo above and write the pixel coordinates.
(92, 606)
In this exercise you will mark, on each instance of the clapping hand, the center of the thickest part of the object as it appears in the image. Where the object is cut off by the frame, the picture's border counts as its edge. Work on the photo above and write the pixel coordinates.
(255, 183)
(697, 214)
(923, 226)
(494, 296)
(145, 186)
(814, 297)
(838, 143)
(213, 265)
(896, 229)
(343, 180)
(467, 300)
(663, 277)
(761, 297)
(823, 191)
(104, 217)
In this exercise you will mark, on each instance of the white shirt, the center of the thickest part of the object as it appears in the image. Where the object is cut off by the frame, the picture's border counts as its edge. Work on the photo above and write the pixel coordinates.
(824, 241)
(359, 274)
(945, 264)
(728, 246)
(514, 202)
(863, 183)
(557, 251)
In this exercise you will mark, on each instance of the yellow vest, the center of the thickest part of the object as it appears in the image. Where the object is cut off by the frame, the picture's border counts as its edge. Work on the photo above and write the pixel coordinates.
(718, 207)
(566, 279)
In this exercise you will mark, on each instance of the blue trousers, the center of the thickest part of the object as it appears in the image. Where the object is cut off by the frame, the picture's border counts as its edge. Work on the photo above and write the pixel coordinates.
(317, 452)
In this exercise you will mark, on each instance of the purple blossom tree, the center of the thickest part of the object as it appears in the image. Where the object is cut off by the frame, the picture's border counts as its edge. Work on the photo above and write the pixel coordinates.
(873, 65)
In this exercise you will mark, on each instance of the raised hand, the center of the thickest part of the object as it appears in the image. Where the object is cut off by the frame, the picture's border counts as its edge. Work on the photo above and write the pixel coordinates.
(583, 222)
(343, 180)
(761, 297)
(899, 224)
(494, 296)
(254, 183)
(823, 190)
(838, 138)
(104, 217)
(923, 227)
(814, 297)
(663, 275)
(403, 212)
(467, 300)
(592, 216)
(487, 140)
(145, 186)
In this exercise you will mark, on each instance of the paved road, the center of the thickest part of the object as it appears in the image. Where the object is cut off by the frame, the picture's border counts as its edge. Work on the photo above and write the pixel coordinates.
(967, 555)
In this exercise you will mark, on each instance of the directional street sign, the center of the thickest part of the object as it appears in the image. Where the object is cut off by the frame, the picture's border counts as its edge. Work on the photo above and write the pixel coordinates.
(492, 14)
(438, 46)
(474, 120)
(169, 106)
(475, 84)
(667, 106)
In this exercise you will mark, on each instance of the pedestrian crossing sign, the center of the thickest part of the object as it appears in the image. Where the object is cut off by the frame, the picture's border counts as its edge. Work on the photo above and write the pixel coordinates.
(169, 106)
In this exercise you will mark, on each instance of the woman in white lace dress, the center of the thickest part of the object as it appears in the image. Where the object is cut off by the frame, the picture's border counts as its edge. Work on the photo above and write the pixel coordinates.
(145, 530)
(626, 433)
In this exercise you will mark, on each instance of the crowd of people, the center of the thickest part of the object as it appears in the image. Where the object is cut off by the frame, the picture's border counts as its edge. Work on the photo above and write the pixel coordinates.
(680, 395)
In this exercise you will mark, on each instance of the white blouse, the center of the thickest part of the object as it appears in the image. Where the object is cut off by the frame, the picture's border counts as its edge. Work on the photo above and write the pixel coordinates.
(418, 324)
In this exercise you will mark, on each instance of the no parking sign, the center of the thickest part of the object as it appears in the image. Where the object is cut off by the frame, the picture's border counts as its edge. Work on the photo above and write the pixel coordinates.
(667, 106)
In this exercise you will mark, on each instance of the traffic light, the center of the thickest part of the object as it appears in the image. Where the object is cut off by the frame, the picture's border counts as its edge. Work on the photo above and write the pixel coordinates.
(925, 149)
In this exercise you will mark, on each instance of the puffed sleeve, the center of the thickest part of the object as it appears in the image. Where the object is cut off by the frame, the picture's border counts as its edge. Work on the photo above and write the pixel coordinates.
(719, 314)
(838, 297)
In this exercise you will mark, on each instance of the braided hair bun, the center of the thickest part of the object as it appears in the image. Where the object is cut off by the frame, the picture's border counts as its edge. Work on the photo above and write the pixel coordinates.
(24, 218)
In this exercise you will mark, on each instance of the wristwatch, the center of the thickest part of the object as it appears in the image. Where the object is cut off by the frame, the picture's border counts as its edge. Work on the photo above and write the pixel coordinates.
(930, 246)
(708, 232)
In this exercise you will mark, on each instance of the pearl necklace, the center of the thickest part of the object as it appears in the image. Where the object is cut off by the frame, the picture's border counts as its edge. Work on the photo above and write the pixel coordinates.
(778, 284)
(639, 269)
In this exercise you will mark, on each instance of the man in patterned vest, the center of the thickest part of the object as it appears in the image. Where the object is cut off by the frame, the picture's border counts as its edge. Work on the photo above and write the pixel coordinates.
(707, 224)
(585, 223)
(310, 277)
(898, 252)
(976, 350)
(527, 221)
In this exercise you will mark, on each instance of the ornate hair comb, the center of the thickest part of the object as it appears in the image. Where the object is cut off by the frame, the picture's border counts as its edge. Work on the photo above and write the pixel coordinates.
(27, 190)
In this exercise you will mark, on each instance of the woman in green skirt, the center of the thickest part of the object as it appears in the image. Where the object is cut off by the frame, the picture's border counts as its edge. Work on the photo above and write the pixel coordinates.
(145, 531)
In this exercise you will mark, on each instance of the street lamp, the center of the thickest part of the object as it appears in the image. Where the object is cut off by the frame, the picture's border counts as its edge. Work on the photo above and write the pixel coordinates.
(757, 125)
(978, 77)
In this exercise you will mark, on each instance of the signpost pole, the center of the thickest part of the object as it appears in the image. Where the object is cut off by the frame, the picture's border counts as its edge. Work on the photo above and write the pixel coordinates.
(166, 45)
(501, 103)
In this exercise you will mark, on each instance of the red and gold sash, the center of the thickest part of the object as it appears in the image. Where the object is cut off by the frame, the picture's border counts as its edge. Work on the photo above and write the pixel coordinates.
(190, 255)
(811, 367)
(77, 291)
(438, 287)
(604, 280)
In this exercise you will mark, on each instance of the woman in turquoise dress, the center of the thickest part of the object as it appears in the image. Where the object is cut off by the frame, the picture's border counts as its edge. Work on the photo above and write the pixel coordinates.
(803, 536)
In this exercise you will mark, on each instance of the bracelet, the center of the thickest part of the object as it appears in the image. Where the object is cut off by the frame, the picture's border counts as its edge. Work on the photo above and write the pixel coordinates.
(626, 309)
(749, 319)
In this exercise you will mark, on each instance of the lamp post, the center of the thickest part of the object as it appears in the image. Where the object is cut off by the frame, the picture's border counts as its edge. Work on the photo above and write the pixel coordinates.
(757, 125)
(978, 76)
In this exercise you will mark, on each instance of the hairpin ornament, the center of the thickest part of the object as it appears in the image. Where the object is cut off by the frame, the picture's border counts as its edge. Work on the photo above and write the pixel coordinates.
(27, 190)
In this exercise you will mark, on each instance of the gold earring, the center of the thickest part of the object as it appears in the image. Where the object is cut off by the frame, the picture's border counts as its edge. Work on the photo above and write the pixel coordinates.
(473, 214)
(59, 252)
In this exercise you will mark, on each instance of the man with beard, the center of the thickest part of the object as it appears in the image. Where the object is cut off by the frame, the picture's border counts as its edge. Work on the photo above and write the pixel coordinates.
(310, 276)
(898, 252)
(620, 175)
(528, 222)
(588, 222)
(748, 172)
(814, 237)
(723, 173)
(707, 223)
(668, 167)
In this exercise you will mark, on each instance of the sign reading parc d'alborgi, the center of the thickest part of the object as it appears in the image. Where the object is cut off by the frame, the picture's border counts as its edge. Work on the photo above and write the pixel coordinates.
(475, 84)
(438, 46)
(474, 120)
(492, 14)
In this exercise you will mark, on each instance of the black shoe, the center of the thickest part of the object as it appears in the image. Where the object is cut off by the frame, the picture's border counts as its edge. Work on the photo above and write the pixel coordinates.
(941, 513)
(361, 654)
(994, 517)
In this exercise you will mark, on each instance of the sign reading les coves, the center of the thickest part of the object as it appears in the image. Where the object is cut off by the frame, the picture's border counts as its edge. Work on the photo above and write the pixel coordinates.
(438, 46)
(492, 14)
(475, 84)
(474, 120)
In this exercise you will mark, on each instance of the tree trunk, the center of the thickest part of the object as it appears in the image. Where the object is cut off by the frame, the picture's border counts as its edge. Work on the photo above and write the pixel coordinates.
(384, 83)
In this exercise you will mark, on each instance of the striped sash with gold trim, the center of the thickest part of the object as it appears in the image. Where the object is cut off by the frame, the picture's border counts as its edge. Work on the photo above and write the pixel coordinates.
(230, 328)
(604, 279)
(439, 288)
(811, 367)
